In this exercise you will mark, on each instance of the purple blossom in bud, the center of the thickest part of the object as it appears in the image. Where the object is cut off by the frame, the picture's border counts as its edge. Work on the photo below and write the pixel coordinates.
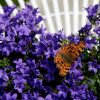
(92, 10)
(86, 29)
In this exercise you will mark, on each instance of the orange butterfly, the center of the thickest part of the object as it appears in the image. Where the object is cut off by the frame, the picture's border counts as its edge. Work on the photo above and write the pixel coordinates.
(66, 56)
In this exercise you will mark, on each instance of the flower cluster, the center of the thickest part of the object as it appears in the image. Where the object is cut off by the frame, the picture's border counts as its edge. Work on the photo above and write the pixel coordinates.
(27, 68)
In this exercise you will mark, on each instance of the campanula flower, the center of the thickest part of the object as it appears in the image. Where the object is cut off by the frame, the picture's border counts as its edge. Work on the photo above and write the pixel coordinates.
(27, 52)
(9, 96)
(93, 66)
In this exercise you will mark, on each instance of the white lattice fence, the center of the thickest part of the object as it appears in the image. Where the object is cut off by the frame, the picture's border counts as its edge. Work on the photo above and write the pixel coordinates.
(67, 14)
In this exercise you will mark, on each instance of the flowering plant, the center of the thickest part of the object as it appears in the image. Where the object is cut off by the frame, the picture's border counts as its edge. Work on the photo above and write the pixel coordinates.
(27, 68)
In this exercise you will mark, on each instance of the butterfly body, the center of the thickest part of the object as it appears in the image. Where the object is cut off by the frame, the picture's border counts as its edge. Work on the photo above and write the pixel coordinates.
(66, 56)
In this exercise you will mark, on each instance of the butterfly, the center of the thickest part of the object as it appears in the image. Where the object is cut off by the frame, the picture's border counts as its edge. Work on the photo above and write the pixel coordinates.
(66, 56)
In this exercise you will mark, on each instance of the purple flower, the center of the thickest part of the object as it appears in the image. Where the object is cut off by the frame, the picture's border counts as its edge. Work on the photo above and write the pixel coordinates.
(54, 96)
(86, 29)
(62, 95)
(89, 43)
(33, 67)
(9, 96)
(51, 70)
(3, 75)
(97, 30)
(19, 84)
(8, 10)
(26, 96)
(21, 67)
(48, 97)
(92, 10)
(75, 76)
(73, 39)
(37, 82)
(78, 63)
(30, 96)
(37, 97)
(31, 73)
(6, 51)
(3, 78)
(63, 87)
(80, 92)
(19, 63)
(3, 38)
(41, 48)
(93, 66)
(5, 18)
(23, 30)
(93, 14)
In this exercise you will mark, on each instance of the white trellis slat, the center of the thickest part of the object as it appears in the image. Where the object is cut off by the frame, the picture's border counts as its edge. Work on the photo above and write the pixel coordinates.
(57, 15)
(1, 10)
(48, 16)
(75, 15)
(96, 2)
(85, 5)
(67, 17)
(33, 3)
(21, 3)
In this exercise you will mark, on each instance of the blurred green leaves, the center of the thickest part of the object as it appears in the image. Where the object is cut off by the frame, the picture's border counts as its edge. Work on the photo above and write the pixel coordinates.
(3, 2)
(4, 62)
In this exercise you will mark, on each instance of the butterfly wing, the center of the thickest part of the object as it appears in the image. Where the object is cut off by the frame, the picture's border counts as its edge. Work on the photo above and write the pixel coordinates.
(62, 61)
(62, 50)
(66, 56)
(76, 50)
(63, 68)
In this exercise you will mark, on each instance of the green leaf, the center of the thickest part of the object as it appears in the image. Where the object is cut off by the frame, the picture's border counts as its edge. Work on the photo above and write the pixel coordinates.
(4, 62)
